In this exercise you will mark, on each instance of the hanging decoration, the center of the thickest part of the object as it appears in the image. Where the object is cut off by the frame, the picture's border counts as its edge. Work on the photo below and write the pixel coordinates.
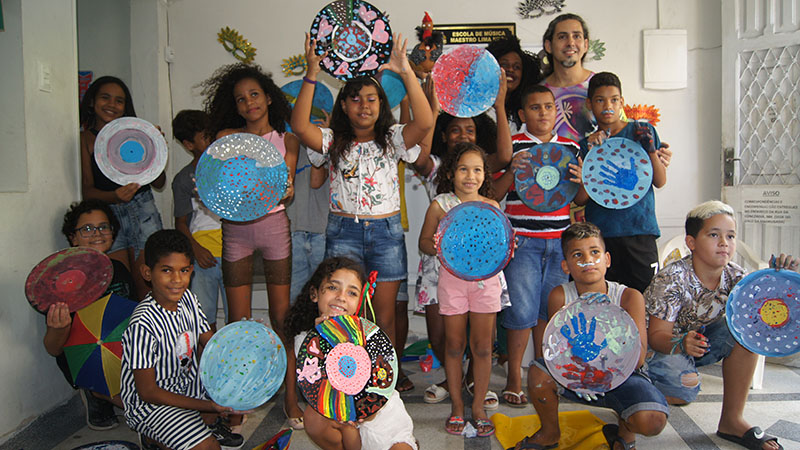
(531, 9)
(424, 55)
(237, 45)
(294, 65)
(596, 50)
(642, 112)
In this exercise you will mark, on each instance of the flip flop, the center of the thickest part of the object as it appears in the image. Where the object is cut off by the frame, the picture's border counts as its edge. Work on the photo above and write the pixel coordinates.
(518, 395)
(490, 401)
(435, 394)
(611, 433)
(484, 423)
(754, 438)
(526, 444)
(404, 384)
(454, 421)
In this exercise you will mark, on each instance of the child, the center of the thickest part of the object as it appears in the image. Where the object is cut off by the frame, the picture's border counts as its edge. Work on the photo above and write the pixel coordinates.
(161, 389)
(462, 178)
(89, 223)
(642, 409)
(364, 146)
(630, 233)
(107, 99)
(193, 219)
(335, 289)
(536, 267)
(690, 294)
(521, 69)
(242, 98)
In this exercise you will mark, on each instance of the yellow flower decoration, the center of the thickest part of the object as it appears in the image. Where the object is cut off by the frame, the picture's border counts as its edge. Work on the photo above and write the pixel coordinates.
(238, 46)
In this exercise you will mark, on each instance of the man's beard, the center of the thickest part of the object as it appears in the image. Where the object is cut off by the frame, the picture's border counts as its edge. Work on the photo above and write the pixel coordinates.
(568, 63)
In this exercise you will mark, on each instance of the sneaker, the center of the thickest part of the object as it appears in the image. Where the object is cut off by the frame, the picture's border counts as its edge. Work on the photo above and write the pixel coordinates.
(97, 415)
(225, 437)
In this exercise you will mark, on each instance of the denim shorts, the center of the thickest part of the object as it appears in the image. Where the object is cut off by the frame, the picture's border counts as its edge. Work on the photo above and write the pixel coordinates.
(636, 394)
(138, 219)
(666, 371)
(531, 274)
(378, 244)
(308, 250)
(207, 286)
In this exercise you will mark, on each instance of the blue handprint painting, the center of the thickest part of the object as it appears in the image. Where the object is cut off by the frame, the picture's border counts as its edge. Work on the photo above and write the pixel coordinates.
(582, 342)
(618, 173)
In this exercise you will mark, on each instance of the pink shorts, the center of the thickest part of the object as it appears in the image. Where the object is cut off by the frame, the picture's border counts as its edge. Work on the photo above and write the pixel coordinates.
(457, 296)
(269, 234)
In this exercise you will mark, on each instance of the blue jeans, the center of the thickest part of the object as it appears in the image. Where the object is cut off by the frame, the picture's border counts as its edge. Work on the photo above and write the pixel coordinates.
(138, 219)
(207, 285)
(378, 244)
(308, 250)
(531, 274)
(667, 371)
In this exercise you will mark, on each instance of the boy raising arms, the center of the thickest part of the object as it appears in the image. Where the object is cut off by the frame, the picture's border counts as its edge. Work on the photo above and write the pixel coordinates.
(642, 409)
(690, 294)
(161, 387)
(630, 233)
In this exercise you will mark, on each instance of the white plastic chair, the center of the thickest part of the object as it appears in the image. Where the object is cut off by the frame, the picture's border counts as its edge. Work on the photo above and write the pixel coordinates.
(676, 248)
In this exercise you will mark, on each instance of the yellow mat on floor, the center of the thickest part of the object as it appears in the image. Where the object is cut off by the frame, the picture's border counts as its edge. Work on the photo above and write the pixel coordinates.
(580, 430)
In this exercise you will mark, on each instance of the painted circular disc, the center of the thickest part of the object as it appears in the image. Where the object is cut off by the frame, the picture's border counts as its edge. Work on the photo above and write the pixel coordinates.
(763, 312)
(108, 445)
(475, 241)
(356, 36)
(591, 348)
(393, 86)
(241, 177)
(467, 80)
(76, 276)
(130, 150)
(543, 181)
(243, 365)
(322, 100)
(617, 174)
(342, 355)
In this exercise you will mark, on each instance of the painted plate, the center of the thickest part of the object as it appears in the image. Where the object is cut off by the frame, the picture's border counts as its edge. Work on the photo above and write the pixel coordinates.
(467, 80)
(475, 241)
(241, 177)
(243, 365)
(322, 100)
(356, 36)
(542, 183)
(347, 368)
(130, 150)
(108, 445)
(591, 347)
(76, 276)
(763, 312)
(617, 174)
(393, 87)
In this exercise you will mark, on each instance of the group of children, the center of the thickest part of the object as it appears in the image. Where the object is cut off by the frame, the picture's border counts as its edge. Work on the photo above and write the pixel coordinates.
(182, 272)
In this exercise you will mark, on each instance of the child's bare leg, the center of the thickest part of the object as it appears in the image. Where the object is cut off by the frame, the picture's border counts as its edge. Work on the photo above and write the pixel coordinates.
(646, 423)
(329, 434)
(115, 400)
(480, 343)
(455, 328)
(737, 374)
(238, 279)
(400, 336)
(384, 301)
(544, 397)
(517, 341)
(538, 338)
(434, 323)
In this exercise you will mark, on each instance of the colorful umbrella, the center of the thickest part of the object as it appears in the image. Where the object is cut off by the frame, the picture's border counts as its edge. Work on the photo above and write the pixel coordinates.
(280, 441)
(94, 348)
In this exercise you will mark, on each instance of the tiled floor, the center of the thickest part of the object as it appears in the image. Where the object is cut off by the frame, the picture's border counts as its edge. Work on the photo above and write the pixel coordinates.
(776, 408)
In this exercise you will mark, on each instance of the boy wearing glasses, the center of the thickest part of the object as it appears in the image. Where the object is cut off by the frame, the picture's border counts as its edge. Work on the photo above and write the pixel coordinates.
(89, 223)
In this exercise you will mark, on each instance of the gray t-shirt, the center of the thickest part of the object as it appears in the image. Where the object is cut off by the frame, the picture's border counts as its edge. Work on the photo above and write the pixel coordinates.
(309, 208)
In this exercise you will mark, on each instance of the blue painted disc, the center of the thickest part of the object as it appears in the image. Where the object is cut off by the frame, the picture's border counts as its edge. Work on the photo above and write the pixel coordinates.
(393, 86)
(322, 100)
(617, 174)
(542, 182)
(475, 241)
(763, 312)
(131, 151)
(467, 80)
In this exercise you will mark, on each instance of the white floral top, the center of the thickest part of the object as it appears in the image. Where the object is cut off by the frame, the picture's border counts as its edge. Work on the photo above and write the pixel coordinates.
(365, 183)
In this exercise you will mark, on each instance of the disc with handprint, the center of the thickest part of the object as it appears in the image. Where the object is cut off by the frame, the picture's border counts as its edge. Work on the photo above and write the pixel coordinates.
(591, 345)
(617, 174)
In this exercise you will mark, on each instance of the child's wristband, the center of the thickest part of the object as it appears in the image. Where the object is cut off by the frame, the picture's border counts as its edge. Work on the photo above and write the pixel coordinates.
(309, 81)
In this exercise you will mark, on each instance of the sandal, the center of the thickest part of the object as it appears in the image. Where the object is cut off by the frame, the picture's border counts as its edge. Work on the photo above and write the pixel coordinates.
(404, 383)
(296, 423)
(454, 421)
(611, 433)
(490, 401)
(522, 400)
(754, 438)
(435, 394)
(484, 423)
(527, 444)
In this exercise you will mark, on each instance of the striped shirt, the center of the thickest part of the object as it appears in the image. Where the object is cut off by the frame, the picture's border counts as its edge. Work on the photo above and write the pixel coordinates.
(167, 342)
(527, 222)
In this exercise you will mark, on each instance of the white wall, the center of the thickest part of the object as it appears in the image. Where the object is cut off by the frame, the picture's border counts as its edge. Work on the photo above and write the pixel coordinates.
(13, 160)
(31, 382)
(104, 38)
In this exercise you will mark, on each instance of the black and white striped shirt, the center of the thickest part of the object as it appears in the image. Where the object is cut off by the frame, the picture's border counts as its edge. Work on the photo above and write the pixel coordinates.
(167, 342)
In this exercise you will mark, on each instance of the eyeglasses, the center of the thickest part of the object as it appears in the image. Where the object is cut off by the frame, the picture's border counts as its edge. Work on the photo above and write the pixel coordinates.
(87, 231)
